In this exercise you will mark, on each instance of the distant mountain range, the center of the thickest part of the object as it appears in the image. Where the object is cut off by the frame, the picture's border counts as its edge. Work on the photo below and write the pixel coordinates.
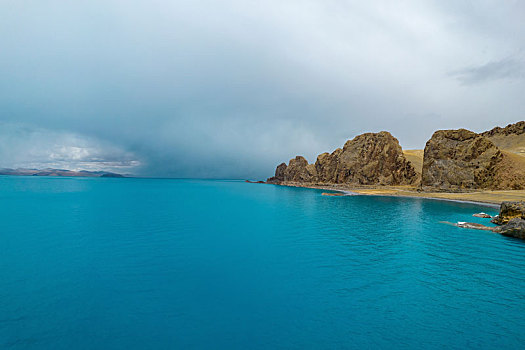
(57, 172)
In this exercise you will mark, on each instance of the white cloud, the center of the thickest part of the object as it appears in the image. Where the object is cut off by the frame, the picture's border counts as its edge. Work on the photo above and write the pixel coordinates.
(27, 146)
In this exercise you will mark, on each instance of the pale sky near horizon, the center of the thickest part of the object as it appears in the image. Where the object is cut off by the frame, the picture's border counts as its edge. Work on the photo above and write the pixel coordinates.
(230, 89)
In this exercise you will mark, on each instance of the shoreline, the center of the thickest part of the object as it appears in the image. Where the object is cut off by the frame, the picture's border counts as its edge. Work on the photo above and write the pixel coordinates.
(487, 198)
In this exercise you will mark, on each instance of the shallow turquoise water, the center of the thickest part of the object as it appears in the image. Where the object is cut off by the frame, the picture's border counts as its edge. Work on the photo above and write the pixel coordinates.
(189, 264)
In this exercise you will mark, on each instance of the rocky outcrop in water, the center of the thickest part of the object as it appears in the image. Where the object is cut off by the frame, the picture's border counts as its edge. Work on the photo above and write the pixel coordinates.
(508, 211)
(368, 159)
(482, 215)
(473, 226)
(461, 159)
(514, 228)
(512, 219)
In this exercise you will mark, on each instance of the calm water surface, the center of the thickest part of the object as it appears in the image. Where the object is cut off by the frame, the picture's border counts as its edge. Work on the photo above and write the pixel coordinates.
(188, 264)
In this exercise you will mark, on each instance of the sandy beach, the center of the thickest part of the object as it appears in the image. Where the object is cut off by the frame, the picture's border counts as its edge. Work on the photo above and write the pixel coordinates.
(494, 198)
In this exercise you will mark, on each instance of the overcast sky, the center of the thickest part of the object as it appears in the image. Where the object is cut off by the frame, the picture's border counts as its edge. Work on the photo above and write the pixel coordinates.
(230, 89)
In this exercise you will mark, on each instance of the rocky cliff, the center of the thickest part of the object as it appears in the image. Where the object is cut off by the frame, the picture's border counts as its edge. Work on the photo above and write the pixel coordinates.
(511, 129)
(453, 160)
(368, 159)
(461, 159)
(510, 138)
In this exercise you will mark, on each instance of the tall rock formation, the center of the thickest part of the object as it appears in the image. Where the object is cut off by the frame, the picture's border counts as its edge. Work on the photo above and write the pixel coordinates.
(368, 159)
(461, 159)
(297, 170)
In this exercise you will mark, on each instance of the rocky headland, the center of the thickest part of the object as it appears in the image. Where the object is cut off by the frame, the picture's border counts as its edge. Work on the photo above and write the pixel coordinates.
(511, 220)
(455, 165)
(368, 159)
(453, 161)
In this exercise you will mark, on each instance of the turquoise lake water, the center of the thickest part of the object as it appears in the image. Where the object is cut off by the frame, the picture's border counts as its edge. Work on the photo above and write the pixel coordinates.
(94, 263)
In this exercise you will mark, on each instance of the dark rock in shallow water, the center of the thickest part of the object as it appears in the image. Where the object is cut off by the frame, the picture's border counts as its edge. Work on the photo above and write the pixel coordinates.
(473, 225)
(508, 211)
(512, 218)
(514, 228)
(482, 215)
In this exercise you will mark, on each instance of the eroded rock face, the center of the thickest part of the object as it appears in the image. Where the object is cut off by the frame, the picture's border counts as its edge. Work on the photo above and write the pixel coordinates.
(514, 228)
(298, 170)
(326, 165)
(510, 138)
(368, 159)
(460, 159)
(279, 174)
(509, 211)
(511, 129)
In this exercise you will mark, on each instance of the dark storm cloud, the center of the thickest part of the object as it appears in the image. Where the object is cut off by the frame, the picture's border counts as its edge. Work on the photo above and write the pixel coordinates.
(232, 88)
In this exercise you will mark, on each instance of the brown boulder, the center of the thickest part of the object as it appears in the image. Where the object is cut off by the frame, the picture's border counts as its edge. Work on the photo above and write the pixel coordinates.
(508, 211)
(514, 228)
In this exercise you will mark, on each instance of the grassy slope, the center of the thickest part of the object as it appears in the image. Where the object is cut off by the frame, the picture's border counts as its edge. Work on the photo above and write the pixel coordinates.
(510, 143)
(415, 156)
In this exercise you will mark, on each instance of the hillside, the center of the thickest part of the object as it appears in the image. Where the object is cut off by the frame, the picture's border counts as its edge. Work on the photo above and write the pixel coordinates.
(415, 156)
(510, 139)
